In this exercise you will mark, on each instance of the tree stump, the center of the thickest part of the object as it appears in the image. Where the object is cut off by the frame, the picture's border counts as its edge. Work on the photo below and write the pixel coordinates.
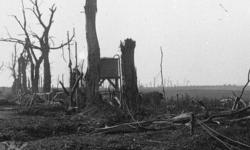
(129, 76)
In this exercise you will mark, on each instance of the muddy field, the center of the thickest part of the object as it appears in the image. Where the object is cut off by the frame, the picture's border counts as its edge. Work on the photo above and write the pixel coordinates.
(50, 128)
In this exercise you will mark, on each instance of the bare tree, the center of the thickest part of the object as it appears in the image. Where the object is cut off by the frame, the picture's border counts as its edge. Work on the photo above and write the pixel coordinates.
(44, 41)
(44, 45)
(35, 61)
(92, 75)
(71, 81)
(162, 80)
(19, 76)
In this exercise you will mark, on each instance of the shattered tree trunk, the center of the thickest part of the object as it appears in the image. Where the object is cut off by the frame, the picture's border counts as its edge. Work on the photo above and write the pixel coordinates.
(15, 86)
(13, 70)
(32, 65)
(37, 76)
(47, 73)
(36, 80)
(22, 77)
(71, 80)
(92, 75)
(34, 71)
(19, 75)
(129, 76)
(32, 76)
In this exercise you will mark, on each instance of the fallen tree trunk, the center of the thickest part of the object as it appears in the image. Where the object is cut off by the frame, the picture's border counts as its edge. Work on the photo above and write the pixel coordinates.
(226, 117)
(230, 114)
(139, 126)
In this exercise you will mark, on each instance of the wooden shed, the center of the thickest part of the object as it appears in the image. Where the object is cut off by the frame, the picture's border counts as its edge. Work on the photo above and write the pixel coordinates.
(110, 70)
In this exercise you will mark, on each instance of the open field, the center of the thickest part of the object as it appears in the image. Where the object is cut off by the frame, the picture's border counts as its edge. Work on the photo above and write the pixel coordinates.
(215, 92)
(211, 92)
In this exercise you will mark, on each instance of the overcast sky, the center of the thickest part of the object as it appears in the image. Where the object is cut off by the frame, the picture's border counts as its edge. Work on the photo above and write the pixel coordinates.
(204, 41)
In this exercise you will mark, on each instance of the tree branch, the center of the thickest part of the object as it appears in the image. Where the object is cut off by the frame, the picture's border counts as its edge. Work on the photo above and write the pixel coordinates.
(2, 65)
(36, 11)
(242, 92)
(52, 10)
(76, 83)
(63, 44)
(64, 89)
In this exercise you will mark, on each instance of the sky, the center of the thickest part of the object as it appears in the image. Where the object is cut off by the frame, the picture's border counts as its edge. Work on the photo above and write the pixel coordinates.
(205, 42)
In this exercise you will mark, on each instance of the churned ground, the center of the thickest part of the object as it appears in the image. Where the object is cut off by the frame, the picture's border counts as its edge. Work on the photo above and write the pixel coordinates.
(49, 128)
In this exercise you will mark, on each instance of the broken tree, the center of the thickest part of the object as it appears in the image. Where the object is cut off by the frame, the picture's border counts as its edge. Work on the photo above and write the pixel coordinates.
(129, 76)
(92, 75)
(22, 77)
(12, 68)
(71, 93)
(19, 76)
(74, 73)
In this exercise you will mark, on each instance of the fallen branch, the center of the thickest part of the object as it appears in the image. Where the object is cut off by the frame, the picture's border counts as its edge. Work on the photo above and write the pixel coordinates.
(233, 113)
(240, 119)
(238, 98)
(222, 137)
(70, 93)
(216, 138)
(140, 126)
(64, 89)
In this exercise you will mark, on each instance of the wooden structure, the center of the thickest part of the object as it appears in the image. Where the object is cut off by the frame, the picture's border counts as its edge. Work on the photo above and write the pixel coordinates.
(110, 71)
